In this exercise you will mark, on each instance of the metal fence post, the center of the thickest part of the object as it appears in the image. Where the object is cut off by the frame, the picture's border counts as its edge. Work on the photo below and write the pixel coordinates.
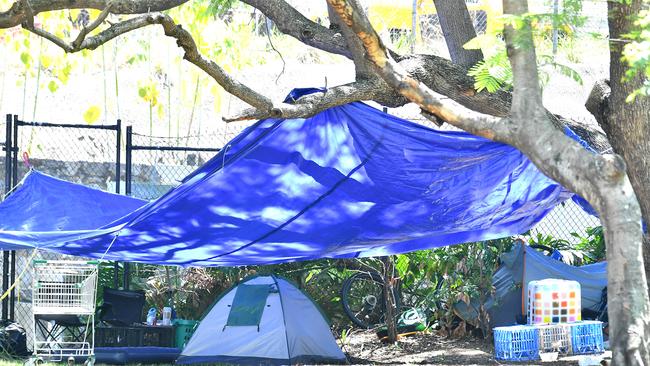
(127, 188)
(127, 165)
(118, 149)
(12, 279)
(8, 187)
(414, 17)
(14, 165)
(8, 150)
(556, 7)
(14, 183)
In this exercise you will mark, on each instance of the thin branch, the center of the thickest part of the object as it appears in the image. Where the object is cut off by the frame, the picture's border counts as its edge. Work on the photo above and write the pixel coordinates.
(16, 14)
(183, 39)
(49, 36)
(291, 22)
(527, 94)
(92, 26)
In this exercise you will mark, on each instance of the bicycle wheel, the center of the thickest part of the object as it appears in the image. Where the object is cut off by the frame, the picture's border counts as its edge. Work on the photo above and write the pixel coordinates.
(362, 296)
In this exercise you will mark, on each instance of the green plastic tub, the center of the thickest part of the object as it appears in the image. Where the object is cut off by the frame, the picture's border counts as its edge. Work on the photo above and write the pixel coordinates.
(184, 330)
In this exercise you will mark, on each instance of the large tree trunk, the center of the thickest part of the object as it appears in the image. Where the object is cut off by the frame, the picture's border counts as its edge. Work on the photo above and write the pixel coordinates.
(628, 128)
(458, 29)
(627, 125)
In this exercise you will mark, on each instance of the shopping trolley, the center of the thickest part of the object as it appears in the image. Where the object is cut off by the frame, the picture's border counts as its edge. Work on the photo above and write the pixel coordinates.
(62, 289)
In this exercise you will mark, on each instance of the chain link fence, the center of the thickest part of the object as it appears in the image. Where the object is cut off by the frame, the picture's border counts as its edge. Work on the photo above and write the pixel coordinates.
(82, 154)
(415, 24)
(155, 164)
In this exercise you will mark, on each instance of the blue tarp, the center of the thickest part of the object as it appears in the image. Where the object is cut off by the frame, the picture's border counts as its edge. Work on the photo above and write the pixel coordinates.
(350, 181)
(43, 208)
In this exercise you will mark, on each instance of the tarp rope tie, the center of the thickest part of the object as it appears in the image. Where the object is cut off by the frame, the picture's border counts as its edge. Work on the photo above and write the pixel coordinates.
(97, 271)
(13, 285)
(17, 185)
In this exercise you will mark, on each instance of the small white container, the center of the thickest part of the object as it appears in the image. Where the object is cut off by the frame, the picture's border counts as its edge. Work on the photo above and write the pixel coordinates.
(167, 316)
(548, 356)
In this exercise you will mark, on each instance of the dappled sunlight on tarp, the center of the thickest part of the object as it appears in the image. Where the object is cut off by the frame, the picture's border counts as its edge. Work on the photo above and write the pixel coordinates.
(350, 181)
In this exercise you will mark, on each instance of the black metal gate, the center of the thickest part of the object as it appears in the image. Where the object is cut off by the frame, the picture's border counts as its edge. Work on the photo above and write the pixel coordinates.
(81, 153)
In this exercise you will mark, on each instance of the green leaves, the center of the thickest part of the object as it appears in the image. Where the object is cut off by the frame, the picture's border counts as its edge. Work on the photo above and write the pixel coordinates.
(218, 8)
(52, 86)
(493, 73)
(91, 115)
(563, 69)
(26, 59)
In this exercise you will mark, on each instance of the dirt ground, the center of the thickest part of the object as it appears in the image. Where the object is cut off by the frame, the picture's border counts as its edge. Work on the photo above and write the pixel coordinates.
(363, 347)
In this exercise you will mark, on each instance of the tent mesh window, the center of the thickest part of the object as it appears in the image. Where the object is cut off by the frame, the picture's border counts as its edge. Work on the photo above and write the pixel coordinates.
(248, 305)
(587, 337)
(516, 343)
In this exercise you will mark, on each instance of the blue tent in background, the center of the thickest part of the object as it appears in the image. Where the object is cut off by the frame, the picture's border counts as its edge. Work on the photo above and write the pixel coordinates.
(350, 181)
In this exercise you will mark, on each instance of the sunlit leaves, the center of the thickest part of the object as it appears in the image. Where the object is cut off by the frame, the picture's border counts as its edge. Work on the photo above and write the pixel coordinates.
(91, 115)
(26, 59)
(218, 8)
(492, 74)
(148, 91)
(52, 86)
(547, 61)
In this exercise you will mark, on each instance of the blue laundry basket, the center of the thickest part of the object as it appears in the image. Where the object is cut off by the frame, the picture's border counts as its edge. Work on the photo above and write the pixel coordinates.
(516, 343)
(587, 337)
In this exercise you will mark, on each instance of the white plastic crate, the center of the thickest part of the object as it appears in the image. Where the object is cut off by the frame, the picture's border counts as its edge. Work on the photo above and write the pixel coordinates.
(555, 338)
(553, 301)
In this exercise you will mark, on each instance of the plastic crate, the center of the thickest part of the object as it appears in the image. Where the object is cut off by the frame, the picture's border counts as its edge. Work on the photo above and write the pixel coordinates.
(553, 301)
(587, 337)
(134, 336)
(184, 331)
(116, 337)
(516, 343)
(555, 338)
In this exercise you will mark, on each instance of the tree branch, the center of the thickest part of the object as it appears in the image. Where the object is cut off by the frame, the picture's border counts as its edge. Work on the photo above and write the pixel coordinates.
(314, 103)
(291, 22)
(362, 67)
(92, 26)
(183, 39)
(16, 14)
(396, 77)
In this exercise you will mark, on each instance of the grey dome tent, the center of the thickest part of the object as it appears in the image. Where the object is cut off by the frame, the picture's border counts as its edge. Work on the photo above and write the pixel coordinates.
(263, 320)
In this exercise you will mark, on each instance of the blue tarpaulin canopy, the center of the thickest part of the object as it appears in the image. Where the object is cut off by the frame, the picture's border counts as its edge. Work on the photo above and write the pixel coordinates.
(350, 181)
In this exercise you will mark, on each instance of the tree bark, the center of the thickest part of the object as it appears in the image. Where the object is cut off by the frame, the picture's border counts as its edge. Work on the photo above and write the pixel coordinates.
(458, 29)
(389, 299)
(627, 125)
